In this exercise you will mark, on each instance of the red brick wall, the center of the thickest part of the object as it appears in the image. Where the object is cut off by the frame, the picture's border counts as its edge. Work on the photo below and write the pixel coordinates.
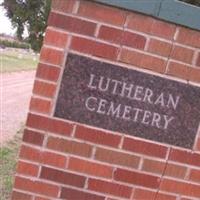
(61, 159)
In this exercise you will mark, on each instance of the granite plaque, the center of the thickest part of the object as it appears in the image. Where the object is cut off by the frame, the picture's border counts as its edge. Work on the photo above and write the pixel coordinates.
(127, 101)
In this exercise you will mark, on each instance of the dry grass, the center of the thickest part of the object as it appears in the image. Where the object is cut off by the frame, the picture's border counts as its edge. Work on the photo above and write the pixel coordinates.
(12, 60)
(8, 161)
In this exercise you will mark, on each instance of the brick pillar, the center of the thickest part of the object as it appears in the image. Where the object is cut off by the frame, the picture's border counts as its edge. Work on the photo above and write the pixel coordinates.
(64, 159)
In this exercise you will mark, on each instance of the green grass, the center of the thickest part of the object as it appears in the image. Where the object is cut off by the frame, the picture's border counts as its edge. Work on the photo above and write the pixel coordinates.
(8, 161)
(17, 61)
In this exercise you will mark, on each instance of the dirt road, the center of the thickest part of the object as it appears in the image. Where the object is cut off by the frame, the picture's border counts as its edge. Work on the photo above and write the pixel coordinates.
(15, 93)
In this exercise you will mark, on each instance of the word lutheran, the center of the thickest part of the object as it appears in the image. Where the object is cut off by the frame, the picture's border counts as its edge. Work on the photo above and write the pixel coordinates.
(134, 93)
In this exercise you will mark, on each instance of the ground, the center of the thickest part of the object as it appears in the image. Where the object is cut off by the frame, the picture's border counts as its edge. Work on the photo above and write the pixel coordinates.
(16, 91)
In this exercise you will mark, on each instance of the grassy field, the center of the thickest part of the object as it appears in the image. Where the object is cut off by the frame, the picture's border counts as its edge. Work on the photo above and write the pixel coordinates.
(8, 160)
(17, 60)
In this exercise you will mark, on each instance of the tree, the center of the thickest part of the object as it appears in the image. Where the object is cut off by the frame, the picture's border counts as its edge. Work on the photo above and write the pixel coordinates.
(194, 2)
(33, 15)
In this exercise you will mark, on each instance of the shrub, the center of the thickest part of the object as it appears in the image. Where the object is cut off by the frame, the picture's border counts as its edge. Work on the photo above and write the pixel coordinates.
(14, 44)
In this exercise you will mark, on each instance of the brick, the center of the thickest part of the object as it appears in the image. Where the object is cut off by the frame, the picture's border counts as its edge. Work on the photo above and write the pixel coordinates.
(91, 168)
(53, 159)
(47, 72)
(71, 24)
(122, 37)
(198, 60)
(118, 158)
(159, 47)
(20, 196)
(194, 74)
(153, 63)
(111, 34)
(186, 189)
(41, 198)
(197, 148)
(143, 61)
(131, 57)
(33, 137)
(174, 170)
(52, 56)
(62, 177)
(63, 5)
(68, 193)
(186, 157)
(97, 136)
(163, 29)
(67, 146)
(134, 40)
(102, 13)
(137, 178)
(109, 188)
(153, 166)
(183, 54)
(27, 168)
(140, 22)
(43, 156)
(55, 38)
(37, 187)
(145, 148)
(141, 194)
(194, 175)
(40, 105)
(44, 89)
(29, 153)
(178, 70)
(47, 124)
(161, 196)
(188, 37)
(94, 48)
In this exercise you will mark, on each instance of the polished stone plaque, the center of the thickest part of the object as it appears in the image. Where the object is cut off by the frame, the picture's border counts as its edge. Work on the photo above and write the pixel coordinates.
(127, 101)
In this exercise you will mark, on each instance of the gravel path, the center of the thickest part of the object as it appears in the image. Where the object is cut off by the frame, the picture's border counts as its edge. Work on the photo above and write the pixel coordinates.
(15, 90)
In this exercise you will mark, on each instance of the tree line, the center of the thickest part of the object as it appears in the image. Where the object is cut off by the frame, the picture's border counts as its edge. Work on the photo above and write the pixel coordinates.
(29, 14)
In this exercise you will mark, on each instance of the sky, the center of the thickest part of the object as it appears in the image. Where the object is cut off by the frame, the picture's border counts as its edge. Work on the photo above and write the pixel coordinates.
(5, 25)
